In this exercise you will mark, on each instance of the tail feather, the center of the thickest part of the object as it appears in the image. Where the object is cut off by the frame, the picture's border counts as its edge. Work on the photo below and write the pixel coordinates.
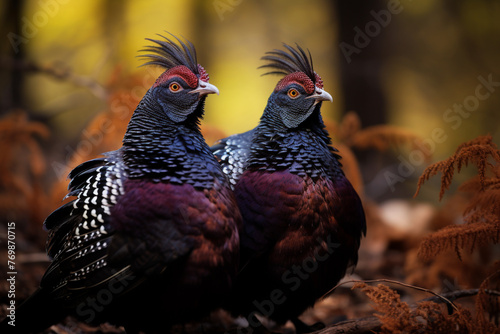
(36, 314)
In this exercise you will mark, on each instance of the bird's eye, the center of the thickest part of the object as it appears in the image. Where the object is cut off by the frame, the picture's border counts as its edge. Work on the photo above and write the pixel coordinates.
(293, 93)
(174, 87)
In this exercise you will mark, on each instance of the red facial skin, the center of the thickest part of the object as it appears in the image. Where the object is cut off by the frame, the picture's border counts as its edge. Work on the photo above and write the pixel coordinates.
(302, 79)
(185, 74)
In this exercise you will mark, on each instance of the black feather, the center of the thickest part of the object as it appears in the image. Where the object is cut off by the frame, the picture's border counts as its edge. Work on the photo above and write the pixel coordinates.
(295, 60)
(58, 216)
(86, 165)
(169, 54)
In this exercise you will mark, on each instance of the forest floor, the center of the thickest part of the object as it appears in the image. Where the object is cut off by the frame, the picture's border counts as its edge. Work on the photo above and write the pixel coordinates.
(443, 252)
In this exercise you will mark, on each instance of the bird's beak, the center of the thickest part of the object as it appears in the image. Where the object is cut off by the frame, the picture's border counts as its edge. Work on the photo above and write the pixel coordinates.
(205, 88)
(320, 95)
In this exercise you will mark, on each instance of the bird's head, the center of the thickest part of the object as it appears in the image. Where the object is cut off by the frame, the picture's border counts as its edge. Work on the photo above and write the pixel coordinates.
(181, 90)
(300, 92)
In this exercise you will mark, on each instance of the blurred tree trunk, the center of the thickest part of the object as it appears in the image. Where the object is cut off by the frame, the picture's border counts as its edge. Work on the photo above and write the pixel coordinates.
(201, 31)
(113, 25)
(12, 51)
(361, 69)
(364, 37)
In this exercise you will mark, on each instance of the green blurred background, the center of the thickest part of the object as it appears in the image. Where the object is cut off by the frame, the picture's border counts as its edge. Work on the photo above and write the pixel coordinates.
(405, 63)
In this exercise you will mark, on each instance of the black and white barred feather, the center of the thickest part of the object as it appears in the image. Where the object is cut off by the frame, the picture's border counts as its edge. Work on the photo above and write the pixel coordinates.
(80, 232)
(233, 153)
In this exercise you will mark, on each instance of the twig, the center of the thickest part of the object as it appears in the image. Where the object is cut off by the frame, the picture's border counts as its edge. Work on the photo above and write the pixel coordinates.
(353, 326)
(449, 302)
(59, 73)
(33, 258)
(372, 323)
(462, 294)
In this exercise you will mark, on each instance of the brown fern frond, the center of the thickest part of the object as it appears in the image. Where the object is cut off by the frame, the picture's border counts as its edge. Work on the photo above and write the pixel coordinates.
(424, 317)
(18, 133)
(394, 314)
(478, 154)
(342, 134)
(485, 201)
(458, 237)
(474, 184)
(384, 137)
(351, 168)
(379, 137)
(22, 169)
(484, 207)
(482, 213)
(485, 301)
(446, 167)
(476, 151)
(348, 128)
(104, 133)
(436, 320)
(486, 140)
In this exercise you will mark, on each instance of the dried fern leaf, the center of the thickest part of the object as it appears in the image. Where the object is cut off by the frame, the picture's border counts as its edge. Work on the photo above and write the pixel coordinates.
(477, 151)
(458, 237)
(348, 128)
(385, 137)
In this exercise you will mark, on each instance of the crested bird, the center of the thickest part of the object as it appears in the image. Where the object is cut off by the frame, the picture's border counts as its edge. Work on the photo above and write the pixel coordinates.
(150, 239)
(302, 219)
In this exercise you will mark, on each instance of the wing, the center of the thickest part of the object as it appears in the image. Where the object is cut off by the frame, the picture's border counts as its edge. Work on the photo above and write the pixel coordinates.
(88, 253)
(232, 153)
(349, 215)
(79, 231)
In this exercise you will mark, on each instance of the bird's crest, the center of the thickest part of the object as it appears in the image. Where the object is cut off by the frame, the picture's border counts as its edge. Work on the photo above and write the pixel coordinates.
(169, 54)
(295, 60)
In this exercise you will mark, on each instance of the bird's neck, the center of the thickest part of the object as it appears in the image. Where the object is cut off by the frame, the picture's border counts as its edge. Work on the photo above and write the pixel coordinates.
(304, 150)
(157, 149)
(151, 128)
(271, 126)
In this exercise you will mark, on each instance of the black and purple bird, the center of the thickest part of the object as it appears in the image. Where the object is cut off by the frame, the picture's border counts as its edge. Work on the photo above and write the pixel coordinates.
(302, 219)
(151, 239)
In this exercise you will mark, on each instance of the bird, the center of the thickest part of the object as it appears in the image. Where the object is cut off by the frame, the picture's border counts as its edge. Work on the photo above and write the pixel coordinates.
(302, 219)
(150, 239)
